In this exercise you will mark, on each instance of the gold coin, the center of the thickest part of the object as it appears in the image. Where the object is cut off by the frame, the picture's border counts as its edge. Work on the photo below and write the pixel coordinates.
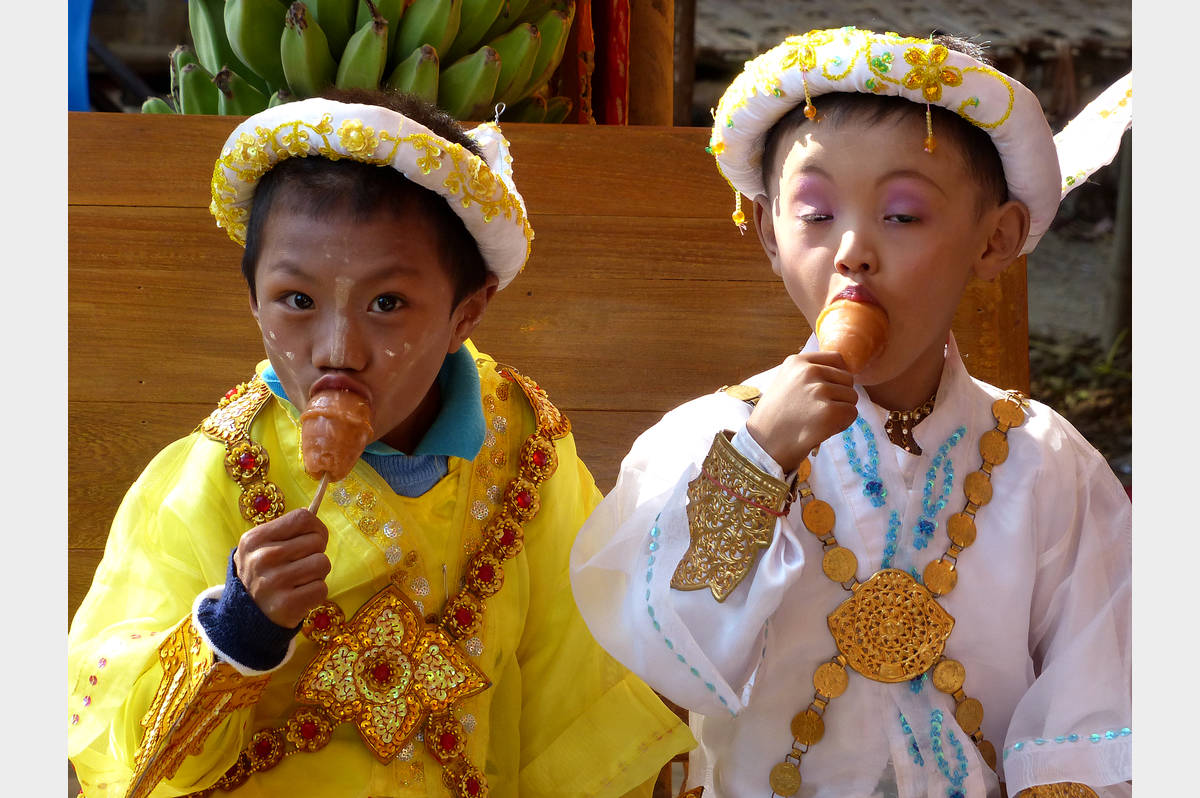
(960, 528)
(830, 679)
(747, 393)
(940, 577)
(978, 488)
(808, 728)
(969, 714)
(988, 752)
(993, 445)
(818, 517)
(785, 779)
(804, 470)
(839, 564)
(1008, 413)
(949, 675)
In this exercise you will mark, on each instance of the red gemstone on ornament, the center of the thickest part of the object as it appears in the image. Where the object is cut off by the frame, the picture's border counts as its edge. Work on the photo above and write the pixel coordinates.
(486, 573)
(232, 392)
(262, 504)
(92, 680)
(508, 538)
(247, 461)
(540, 459)
(322, 621)
(448, 741)
(473, 786)
(464, 616)
(382, 672)
(524, 500)
(263, 748)
(308, 730)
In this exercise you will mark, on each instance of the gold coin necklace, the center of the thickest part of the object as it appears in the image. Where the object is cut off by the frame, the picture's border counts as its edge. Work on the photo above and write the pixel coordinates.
(892, 629)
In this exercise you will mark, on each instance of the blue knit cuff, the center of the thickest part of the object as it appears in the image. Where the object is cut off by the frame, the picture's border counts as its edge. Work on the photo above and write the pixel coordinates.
(239, 631)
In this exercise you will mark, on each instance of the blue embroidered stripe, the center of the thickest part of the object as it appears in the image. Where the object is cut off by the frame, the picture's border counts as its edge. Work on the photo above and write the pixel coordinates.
(1094, 737)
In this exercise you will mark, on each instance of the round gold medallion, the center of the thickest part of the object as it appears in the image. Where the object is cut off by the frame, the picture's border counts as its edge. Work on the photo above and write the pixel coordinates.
(785, 779)
(1008, 413)
(747, 393)
(804, 470)
(807, 727)
(993, 446)
(949, 675)
(988, 752)
(839, 564)
(978, 488)
(969, 714)
(940, 577)
(831, 680)
(960, 528)
(818, 517)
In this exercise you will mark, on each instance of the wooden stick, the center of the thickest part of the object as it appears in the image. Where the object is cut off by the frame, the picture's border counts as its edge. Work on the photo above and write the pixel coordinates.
(316, 502)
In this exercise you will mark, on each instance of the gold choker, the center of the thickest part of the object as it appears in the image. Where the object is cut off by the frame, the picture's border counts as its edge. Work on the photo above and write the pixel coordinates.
(900, 423)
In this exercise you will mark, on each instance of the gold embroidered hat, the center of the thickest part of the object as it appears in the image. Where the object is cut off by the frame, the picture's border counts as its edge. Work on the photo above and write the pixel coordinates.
(481, 192)
(853, 60)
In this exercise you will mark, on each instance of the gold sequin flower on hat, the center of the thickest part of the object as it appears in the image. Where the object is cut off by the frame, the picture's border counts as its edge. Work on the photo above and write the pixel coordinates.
(358, 139)
(929, 72)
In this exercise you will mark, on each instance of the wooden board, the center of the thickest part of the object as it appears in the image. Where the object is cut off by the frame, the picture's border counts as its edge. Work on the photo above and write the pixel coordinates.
(640, 294)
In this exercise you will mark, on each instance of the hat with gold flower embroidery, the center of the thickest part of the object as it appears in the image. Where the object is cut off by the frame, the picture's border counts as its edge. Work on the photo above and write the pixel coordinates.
(801, 68)
(480, 190)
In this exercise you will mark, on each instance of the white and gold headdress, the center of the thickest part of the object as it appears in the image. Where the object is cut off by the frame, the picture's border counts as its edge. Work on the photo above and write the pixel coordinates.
(854, 60)
(481, 192)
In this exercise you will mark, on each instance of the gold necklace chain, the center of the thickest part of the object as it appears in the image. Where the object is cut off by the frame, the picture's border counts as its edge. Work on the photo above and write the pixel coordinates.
(892, 628)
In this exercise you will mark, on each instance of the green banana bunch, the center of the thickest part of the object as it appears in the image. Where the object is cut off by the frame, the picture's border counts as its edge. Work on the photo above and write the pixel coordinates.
(180, 57)
(417, 74)
(254, 28)
(197, 92)
(391, 10)
(466, 87)
(534, 9)
(236, 96)
(304, 52)
(433, 22)
(156, 105)
(206, 22)
(518, 50)
(557, 109)
(336, 18)
(475, 19)
(555, 27)
(365, 56)
(531, 109)
(507, 18)
(280, 97)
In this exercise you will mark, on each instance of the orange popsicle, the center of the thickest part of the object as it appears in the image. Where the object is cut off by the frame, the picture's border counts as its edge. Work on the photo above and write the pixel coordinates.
(334, 430)
(853, 326)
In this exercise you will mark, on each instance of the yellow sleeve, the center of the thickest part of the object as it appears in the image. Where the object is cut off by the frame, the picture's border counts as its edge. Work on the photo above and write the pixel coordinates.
(169, 541)
(589, 727)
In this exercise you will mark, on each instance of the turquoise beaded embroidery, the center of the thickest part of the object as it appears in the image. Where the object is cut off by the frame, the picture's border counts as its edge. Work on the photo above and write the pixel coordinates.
(893, 536)
(927, 525)
(653, 547)
(873, 487)
(956, 776)
(913, 749)
(1095, 737)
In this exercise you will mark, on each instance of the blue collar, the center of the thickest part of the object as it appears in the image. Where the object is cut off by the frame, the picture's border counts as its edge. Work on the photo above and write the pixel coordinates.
(458, 430)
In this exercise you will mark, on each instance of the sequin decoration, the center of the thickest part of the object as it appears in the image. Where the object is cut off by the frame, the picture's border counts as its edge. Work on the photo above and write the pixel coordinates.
(873, 487)
(480, 510)
(419, 586)
(473, 646)
(956, 776)
(927, 524)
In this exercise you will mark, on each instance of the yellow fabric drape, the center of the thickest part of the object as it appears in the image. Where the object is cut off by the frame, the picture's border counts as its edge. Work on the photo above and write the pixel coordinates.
(561, 718)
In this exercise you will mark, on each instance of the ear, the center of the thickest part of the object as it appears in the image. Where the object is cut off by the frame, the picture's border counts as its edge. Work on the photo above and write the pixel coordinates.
(254, 307)
(1009, 227)
(469, 313)
(764, 224)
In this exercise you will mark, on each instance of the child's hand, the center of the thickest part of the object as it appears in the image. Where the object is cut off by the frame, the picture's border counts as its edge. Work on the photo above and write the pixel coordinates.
(283, 566)
(812, 398)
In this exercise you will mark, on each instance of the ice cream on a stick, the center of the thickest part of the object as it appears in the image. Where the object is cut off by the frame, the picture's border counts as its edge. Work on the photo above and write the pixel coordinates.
(855, 326)
(334, 430)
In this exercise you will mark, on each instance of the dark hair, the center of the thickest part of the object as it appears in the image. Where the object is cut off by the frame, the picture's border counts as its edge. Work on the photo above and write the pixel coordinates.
(318, 186)
(979, 154)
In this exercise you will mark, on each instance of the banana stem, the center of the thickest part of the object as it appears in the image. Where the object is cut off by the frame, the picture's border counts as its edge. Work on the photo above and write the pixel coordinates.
(316, 502)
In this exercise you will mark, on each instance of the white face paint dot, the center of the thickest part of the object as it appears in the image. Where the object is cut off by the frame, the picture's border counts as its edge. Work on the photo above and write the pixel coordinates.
(389, 353)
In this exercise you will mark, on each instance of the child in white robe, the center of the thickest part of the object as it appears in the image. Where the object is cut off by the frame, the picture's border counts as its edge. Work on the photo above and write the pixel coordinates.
(864, 572)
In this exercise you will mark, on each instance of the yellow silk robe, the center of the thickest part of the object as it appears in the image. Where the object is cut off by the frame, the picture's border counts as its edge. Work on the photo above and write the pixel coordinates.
(560, 718)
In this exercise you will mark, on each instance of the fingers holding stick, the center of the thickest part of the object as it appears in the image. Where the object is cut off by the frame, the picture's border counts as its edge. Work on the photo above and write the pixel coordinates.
(316, 502)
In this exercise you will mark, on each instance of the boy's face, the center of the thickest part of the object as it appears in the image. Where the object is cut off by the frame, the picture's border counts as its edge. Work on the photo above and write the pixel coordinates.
(864, 204)
(368, 302)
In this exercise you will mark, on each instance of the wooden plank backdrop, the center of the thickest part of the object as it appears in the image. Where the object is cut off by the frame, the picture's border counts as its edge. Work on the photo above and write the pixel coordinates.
(639, 295)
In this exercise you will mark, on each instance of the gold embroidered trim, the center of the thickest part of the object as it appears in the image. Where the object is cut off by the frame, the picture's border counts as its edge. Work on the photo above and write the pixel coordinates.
(550, 420)
(195, 694)
(231, 420)
(1062, 789)
(732, 508)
